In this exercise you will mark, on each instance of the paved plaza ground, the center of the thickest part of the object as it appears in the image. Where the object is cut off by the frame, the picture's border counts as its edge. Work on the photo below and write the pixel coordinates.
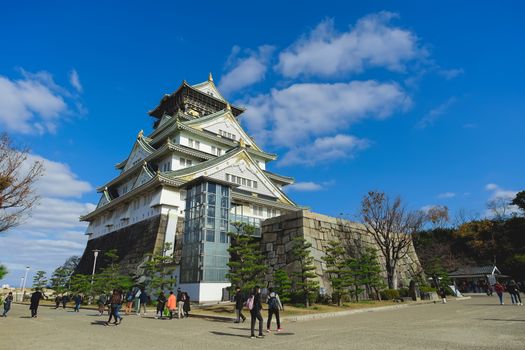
(478, 323)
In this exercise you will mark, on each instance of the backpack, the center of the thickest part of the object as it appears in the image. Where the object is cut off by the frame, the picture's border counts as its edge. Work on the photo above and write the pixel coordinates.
(272, 303)
(249, 302)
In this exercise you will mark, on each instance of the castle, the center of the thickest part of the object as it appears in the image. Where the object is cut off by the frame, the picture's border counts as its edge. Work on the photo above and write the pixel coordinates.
(188, 181)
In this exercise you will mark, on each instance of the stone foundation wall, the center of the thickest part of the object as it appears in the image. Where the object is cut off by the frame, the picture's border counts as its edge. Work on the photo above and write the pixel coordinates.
(132, 244)
(278, 233)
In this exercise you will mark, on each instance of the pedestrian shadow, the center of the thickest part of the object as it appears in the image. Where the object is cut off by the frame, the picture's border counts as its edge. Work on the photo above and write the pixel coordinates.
(501, 319)
(241, 329)
(99, 323)
(213, 319)
(230, 334)
(284, 333)
(26, 317)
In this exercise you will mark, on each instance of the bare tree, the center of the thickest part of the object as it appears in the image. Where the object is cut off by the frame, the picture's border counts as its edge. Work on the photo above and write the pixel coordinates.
(17, 195)
(438, 216)
(391, 225)
(500, 208)
(463, 216)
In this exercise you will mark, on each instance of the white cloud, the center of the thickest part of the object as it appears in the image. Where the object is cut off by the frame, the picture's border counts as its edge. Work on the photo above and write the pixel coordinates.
(33, 104)
(500, 193)
(447, 195)
(245, 71)
(451, 73)
(431, 117)
(53, 231)
(58, 180)
(74, 80)
(307, 186)
(324, 149)
(373, 42)
(292, 115)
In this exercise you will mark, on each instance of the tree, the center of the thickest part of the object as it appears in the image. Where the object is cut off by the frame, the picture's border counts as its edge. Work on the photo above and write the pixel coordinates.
(306, 282)
(283, 285)
(519, 200)
(438, 215)
(160, 269)
(500, 208)
(371, 272)
(60, 280)
(39, 280)
(246, 260)
(354, 277)
(336, 263)
(391, 226)
(110, 278)
(3, 271)
(80, 284)
(17, 180)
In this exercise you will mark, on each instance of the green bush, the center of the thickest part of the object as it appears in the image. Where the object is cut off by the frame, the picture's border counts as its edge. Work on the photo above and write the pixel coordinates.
(389, 294)
(427, 289)
(403, 292)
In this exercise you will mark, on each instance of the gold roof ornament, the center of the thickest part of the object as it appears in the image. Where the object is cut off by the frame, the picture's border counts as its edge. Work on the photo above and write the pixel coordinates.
(210, 77)
(228, 107)
(140, 134)
(242, 144)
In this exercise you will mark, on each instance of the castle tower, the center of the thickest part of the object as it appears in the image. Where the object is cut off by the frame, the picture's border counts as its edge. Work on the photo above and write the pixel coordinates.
(185, 183)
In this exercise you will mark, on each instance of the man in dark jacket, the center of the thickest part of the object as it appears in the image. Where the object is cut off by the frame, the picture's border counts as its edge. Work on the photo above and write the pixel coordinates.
(7, 304)
(35, 301)
(239, 303)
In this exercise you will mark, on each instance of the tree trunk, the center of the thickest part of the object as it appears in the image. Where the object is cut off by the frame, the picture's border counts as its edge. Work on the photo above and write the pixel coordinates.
(391, 277)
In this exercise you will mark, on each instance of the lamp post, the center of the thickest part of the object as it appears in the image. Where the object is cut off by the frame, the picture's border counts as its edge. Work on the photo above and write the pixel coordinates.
(24, 283)
(95, 253)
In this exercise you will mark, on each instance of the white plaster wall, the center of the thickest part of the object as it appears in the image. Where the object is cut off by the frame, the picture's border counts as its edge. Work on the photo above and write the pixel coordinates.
(135, 210)
(204, 292)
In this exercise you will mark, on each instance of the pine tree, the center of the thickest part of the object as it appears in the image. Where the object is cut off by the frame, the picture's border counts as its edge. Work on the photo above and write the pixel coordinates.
(371, 272)
(246, 260)
(337, 270)
(80, 284)
(283, 285)
(60, 280)
(110, 278)
(354, 276)
(39, 280)
(160, 269)
(306, 282)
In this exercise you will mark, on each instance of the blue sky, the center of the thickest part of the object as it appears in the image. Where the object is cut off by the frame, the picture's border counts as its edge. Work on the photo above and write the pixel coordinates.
(420, 99)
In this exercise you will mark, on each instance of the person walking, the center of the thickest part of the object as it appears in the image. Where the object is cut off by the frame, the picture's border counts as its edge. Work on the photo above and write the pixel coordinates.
(116, 303)
(186, 304)
(274, 306)
(514, 292)
(255, 306)
(180, 304)
(239, 304)
(7, 304)
(65, 299)
(499, 289)
(172, 304)
(78, 300)
(443, 295)
(144, 298)
(136, 299)
(35, 301)
(161, 303)
(101, 303)
(58, 299)
(129, 302)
